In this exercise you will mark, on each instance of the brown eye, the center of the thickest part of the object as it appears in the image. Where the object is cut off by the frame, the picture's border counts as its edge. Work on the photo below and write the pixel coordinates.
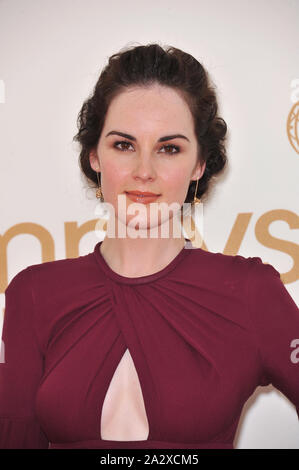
(123, 145)
(172, 147)
(121, 142)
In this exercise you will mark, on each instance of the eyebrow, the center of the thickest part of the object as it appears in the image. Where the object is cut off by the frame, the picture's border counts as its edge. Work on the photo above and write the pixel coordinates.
(162, 139)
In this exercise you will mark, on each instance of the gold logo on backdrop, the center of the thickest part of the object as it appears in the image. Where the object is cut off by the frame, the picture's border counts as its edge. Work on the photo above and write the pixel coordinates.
(293, 117)
(293, 127)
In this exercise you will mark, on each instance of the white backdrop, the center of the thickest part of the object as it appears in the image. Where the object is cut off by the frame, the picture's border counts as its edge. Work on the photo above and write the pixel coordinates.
(51, 53)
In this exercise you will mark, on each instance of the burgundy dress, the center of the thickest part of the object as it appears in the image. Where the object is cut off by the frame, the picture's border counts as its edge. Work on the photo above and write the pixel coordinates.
(203, 333)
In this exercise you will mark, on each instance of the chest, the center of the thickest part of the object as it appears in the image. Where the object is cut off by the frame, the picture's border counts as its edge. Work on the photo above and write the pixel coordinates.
(123, 413)
(191, 378)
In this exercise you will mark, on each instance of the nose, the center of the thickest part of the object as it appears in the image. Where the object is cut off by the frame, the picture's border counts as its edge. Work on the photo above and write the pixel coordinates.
(144, 169)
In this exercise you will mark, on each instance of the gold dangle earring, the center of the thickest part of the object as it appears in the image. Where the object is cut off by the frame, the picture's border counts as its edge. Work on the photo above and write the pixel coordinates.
(198, 219)
(196, 200)
(99, 193)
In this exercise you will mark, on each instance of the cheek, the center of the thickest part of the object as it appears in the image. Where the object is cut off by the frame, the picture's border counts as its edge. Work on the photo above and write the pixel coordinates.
(176, 181)
(113, 176)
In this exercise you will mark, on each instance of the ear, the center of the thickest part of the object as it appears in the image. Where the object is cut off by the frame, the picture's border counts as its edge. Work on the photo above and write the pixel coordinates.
(94, 160)
(199, 171)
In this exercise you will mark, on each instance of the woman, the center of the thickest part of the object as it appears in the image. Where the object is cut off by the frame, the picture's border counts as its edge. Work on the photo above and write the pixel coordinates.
(144, 343)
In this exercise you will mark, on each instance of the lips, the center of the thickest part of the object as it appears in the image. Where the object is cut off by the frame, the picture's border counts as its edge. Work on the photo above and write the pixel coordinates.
(142, 193)
(144, 198)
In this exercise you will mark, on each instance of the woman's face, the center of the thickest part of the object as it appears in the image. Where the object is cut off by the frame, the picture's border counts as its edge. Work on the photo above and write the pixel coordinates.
(142, 163)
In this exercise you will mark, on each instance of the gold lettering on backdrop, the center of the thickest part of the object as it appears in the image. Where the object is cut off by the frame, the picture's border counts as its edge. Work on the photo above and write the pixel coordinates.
(37, 231)
(265, 238)
(74, 233)
(237, 234)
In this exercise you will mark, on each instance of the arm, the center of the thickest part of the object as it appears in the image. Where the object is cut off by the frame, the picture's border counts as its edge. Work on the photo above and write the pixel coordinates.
(22, 369)
(275, 318)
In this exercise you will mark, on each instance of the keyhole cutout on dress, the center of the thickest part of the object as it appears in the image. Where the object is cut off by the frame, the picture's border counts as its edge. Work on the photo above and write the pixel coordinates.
(123, 413)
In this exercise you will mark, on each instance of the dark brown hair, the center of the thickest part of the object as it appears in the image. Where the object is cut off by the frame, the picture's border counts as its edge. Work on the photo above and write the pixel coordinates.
(143, 66)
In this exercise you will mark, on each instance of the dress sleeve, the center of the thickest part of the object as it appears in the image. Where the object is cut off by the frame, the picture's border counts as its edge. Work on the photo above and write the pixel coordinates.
(275, 318)
(21, 369)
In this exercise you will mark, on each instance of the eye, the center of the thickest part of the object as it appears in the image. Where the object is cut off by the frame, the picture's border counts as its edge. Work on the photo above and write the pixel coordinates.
(120, 143)
(173, 147)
